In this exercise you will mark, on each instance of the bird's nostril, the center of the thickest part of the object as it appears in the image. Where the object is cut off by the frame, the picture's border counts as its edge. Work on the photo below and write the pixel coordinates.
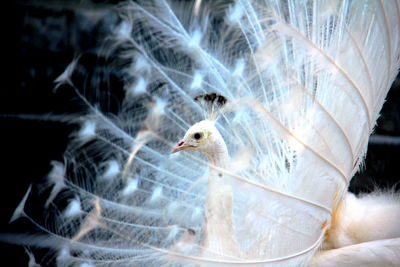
(180, 143)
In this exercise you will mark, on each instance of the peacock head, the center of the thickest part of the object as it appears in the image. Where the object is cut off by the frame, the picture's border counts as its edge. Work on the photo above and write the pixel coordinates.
(202, 137)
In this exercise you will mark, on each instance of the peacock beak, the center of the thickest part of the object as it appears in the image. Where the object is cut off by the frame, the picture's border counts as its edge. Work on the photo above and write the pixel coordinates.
(181, 145)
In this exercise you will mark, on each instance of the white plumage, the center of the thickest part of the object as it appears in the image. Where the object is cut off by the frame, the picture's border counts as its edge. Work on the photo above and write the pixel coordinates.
(304, 80)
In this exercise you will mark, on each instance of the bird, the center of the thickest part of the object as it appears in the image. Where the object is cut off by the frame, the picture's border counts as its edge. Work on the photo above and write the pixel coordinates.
(240, 127)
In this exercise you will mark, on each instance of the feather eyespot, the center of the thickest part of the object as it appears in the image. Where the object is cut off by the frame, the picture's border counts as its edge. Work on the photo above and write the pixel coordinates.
(197, 136)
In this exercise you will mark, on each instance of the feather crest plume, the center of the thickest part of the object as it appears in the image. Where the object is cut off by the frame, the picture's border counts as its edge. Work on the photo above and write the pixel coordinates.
(212, 104)
(305, 82)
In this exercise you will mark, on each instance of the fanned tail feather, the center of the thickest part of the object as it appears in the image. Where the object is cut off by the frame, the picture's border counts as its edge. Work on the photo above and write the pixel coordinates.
(305, 82)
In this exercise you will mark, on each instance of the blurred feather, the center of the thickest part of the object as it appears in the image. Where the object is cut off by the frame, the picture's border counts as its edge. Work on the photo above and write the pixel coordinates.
(304, 83)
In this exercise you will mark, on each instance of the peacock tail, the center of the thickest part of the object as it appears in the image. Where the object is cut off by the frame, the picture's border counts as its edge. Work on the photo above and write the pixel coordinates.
(304, 83)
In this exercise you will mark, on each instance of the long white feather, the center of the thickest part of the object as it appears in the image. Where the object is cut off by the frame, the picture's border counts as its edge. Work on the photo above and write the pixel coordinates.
(305, 81)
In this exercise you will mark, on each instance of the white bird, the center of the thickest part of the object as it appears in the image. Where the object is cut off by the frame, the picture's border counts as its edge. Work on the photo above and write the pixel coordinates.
(277, 100)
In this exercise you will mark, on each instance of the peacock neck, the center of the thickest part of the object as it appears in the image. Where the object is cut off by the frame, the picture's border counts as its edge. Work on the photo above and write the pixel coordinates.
(218, 155)
(219, 233)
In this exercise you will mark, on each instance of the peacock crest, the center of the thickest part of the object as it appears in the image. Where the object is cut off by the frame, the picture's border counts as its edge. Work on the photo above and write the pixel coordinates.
(212, 104)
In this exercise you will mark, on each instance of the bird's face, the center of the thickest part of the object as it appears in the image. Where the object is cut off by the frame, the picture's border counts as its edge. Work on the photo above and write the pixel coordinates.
(198, 137)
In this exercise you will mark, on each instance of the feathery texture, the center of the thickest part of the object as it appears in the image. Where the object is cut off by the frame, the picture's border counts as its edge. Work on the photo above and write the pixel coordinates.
(304, 80)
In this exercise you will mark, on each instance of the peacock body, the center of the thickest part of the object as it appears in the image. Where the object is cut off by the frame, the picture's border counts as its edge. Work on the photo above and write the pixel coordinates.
(277, 100)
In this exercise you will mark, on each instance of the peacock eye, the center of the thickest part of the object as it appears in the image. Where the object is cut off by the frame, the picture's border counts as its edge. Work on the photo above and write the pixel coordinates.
(197, 136)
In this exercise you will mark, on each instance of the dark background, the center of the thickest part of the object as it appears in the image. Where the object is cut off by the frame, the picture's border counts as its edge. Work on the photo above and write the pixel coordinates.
(43, 38)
